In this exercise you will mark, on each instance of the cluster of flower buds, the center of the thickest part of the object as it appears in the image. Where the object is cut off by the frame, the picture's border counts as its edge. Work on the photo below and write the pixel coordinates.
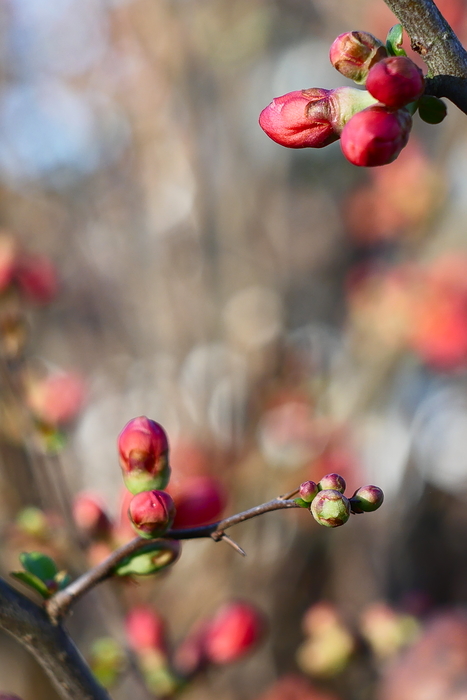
(373, 124)
(143, 448)
(329, 506)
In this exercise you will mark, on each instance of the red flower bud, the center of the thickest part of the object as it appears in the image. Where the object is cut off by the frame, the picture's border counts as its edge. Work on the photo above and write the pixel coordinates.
(300, 119)
(332, 481)
(90, 515)
(395, 81)
(233, 632)
(354, 53)
(152, 513)
(375, 136)
(199, 500)
(308, 491)
(144, 455)
(36, 277)
(330, 508)
(145, 629)
(9, 696)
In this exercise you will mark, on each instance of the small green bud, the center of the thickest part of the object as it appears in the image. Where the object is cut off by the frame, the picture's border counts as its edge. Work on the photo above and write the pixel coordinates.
(330, 508)
(332, 481)
(366, 499)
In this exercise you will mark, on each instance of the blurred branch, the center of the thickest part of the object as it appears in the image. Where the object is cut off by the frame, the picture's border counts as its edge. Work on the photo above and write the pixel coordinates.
(433, 38)
(59, 603)
(49, 644)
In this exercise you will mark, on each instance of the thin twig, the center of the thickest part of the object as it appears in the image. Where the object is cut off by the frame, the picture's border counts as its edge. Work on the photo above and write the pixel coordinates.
(58, 604)
(231, 542)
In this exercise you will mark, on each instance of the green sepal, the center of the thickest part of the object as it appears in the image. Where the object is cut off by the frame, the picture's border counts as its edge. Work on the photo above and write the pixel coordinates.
(146, 561)
(394, 41)
(32, 581)
(39, 565)
(301, 503)
(431, 109)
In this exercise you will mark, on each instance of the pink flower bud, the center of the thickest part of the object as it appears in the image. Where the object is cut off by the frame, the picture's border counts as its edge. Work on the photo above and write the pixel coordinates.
(300, 119)
(199, 500)
(354, 53)
(57, 399)
(375, 136)
(332, 481)
(233, 632)
(90, 515)
(37, 278)
(366, 499)
(395, 81)
(308, 491)
(9, 696)
(152, 513)
(145, 629)
(144, 455)
(330, 508)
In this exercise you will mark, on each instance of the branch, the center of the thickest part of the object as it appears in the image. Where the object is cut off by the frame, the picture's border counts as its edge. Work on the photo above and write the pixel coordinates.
(50, 644)
(59, 603)
(433, 38)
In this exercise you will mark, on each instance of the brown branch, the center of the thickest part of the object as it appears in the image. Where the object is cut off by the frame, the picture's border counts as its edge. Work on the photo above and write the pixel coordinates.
(435, 41)
(58, 604)
(49, 644)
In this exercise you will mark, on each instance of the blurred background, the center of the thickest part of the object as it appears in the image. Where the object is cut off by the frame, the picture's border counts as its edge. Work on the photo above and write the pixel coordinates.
(282, 313)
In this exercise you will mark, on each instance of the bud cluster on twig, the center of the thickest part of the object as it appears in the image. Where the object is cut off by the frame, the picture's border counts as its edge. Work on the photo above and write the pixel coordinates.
(373, 124)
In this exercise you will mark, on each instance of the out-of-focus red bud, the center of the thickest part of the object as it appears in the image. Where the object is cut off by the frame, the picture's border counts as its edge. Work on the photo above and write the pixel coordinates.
(233, 632)
(57, 399)
(8, 254)
(9, 696)
(395, 81)
(90, 515)
(36, 277)
(189, 655)
(354, 53)
(198, 500)
(375, 136)
(145, 629)
(300, 119)
(144, 455)
(152, 513)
